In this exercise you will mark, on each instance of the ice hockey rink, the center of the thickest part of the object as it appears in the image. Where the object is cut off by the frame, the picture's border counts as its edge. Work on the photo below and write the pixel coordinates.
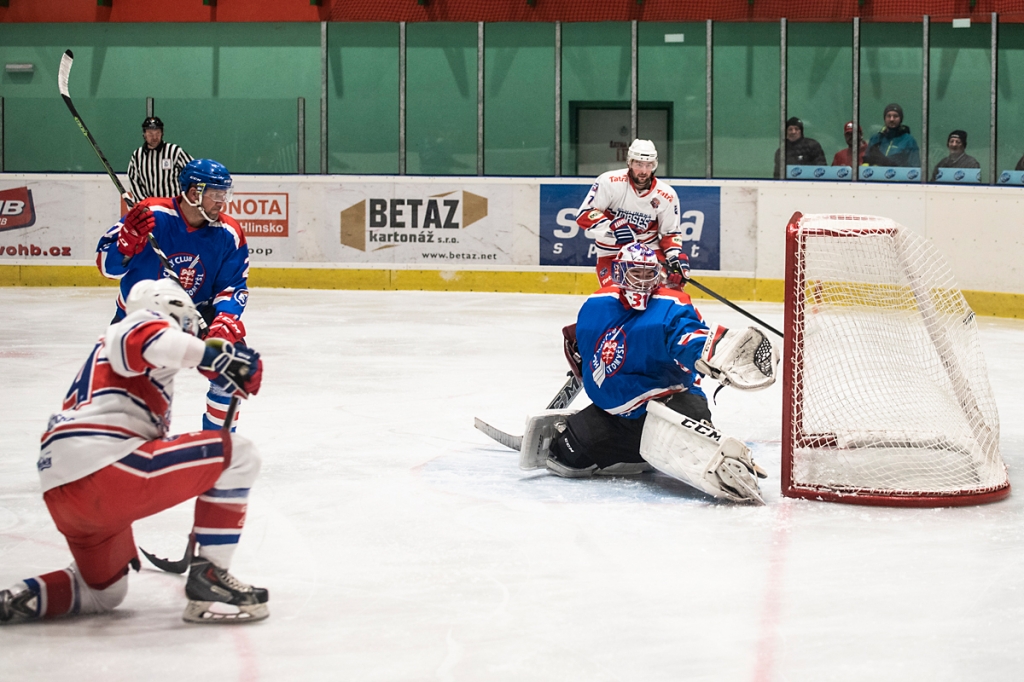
(400, 544)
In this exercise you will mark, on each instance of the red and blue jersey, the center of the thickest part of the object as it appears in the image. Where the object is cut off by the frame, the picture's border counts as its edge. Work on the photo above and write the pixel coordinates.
(212, 261)
(632, 356)
(120, 398)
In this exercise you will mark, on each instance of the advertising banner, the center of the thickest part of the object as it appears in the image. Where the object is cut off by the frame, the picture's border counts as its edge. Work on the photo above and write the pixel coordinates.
(562, 242)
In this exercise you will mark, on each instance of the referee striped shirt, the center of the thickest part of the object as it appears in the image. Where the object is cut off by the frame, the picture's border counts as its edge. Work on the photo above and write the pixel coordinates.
(154, 172)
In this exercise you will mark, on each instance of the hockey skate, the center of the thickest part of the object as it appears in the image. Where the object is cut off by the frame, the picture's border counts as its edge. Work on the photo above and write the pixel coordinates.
(18, 605)
(216, 596)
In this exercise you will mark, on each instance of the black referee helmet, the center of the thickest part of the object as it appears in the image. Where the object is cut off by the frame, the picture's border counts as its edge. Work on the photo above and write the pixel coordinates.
(152, 122)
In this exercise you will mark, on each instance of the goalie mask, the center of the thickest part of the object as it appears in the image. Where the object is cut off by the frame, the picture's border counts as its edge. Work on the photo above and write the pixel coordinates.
(165, 296)
(637, 273)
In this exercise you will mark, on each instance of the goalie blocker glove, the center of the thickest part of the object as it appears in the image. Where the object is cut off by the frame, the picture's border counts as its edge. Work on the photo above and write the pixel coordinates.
(138, 224)
(236, 369)
(744, 359)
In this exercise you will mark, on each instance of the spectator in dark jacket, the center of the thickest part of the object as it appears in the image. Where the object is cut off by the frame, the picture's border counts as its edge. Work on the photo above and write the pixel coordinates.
(956, 143)
(893, 145)
(842, 157)
(800, 150)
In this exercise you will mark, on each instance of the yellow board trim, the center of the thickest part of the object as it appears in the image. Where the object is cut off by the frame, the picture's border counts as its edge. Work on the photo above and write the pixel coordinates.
(580, 283)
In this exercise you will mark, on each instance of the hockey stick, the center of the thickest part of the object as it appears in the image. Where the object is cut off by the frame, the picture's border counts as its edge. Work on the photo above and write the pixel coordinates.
(735, 307)
(182, 564)
(62, 84)
(561, 401)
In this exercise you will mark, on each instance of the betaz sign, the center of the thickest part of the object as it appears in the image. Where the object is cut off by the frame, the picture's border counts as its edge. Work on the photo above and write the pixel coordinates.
(261, 214)
(16, 208)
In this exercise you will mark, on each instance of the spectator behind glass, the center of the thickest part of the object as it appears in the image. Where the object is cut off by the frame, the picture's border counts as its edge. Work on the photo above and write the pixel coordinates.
(956, 143)
(800, 150)
(842, 157)
(893, 145)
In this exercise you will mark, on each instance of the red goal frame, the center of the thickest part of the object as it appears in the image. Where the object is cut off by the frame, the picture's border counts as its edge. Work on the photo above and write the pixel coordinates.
(793, 398)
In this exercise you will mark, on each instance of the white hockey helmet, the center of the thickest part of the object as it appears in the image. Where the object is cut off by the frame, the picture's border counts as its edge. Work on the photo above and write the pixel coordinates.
(637, 273)
(643, 150)
(165, 296)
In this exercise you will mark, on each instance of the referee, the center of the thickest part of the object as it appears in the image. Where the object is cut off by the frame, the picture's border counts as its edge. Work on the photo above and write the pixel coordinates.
(155, 166)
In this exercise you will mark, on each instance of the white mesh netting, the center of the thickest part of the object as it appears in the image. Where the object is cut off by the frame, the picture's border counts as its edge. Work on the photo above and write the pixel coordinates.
(889, 390)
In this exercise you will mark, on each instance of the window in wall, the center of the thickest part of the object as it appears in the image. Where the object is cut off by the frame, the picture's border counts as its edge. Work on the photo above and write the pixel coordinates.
(671, 65)
(596, 62)
(362, 98)
(890, 72)
(745, 99)
(959, 91)
(819, 84)
(441, 105)
(1010, 102)
(519, 99)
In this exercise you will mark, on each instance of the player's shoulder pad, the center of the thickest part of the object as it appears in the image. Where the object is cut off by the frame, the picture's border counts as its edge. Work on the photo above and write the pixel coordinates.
(159, 205)
(672, 295)
(665, 190)
(231, 225)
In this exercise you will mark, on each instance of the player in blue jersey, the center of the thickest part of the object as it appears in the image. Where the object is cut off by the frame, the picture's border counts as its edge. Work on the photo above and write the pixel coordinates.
(205, 247)
(641, 348)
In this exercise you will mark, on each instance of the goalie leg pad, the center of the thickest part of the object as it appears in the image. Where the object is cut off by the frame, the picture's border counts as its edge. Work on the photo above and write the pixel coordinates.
(541, 429)
(699, 455)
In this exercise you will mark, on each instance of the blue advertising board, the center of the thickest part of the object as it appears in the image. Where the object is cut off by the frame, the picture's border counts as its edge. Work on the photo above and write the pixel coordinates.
(890, 173)
(795, 172)
(1011, 177)
(972, 175)
(562, 242)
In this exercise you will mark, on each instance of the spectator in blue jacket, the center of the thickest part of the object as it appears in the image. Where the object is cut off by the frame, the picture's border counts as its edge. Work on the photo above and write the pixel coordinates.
(893, 145)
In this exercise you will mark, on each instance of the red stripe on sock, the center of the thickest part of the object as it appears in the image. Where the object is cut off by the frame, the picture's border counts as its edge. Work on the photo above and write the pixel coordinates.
(214, 515)
(59, 593)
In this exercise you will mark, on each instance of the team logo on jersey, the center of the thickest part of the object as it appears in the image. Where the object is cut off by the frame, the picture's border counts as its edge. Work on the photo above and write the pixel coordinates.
(191, 272)
(44, 462)
(655, 203)
(16, 208)
(242, 297)
(610, 352)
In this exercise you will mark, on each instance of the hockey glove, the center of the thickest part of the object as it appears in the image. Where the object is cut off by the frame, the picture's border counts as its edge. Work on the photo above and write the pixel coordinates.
(236, 369)
(677, 268)
(623, 232)
(572, 350)
(228, 327)
(136, 228)
(742, 358)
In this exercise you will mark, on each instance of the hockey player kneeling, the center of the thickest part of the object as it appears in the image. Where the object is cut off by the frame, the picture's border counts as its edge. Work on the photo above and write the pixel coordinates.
(107, 461)
(642, 350)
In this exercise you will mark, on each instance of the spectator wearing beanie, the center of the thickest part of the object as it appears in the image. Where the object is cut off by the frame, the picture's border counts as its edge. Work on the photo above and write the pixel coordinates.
(956, 143)
(893, 145)
(800, 150)
(842, 157)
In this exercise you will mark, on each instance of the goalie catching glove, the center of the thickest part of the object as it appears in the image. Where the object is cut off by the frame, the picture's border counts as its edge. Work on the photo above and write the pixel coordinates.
(744, 358)
(236, 369)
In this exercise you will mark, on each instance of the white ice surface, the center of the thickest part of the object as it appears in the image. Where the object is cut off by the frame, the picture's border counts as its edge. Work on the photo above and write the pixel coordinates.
(399, 543)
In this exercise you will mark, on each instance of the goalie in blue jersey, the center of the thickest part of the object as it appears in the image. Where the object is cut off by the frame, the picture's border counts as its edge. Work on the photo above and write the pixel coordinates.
(641, 351)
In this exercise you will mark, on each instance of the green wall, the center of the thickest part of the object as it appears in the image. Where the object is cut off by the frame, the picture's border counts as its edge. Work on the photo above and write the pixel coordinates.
(229, 92)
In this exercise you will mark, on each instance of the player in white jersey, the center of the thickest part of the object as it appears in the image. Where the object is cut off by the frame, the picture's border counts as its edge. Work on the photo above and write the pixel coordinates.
(630, 205)
(106, 461)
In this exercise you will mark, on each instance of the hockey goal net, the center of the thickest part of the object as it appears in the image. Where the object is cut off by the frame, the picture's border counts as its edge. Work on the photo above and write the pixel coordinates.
(886, 393)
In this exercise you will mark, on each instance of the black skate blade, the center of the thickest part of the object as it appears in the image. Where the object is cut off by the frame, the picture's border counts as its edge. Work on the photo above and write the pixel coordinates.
(169, 566)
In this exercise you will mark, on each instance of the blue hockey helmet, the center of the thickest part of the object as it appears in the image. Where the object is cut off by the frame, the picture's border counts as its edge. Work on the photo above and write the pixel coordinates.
(204, 174)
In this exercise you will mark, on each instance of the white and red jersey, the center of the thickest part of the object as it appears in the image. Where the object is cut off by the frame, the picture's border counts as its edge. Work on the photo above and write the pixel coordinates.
(654, 212)
(120, 399)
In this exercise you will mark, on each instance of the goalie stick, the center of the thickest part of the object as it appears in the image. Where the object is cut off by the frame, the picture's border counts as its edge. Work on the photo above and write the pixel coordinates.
(561, 401)
(182, 564)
